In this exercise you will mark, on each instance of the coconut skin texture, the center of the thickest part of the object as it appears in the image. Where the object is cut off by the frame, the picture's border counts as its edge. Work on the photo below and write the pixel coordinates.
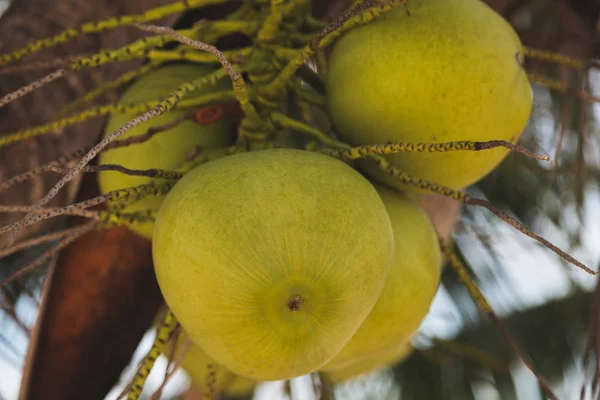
(272, 259)
(383, 359)
(409, 290)
(166, 150)
(449, 71)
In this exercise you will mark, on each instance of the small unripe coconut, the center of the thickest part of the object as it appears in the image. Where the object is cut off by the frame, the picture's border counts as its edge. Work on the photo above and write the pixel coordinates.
(166, 150)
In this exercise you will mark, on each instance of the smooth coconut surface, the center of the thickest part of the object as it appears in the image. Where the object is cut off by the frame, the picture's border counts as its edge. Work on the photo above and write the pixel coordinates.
(411, 285)
(166, 150)
(448, 71)
(272, 259)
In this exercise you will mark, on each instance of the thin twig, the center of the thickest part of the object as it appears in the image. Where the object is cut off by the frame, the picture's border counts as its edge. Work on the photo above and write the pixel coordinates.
(561, 59)
(81, 230)
(485, 306)
(173, 348)
(78, 208)
(164, 331)
(236, 77)
(474, 201)
(233, 74)
(41, 169)
(31, 217)
(37, 65)
(515, 224)
(150, 173)
(367, 150)
(55, 211)
(159, 109)
(50, 237)
(514, 147)
(172, 367)
(51, 77)
(347, 15)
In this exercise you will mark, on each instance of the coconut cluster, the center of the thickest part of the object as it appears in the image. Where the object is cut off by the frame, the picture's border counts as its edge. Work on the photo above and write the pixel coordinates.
(282, 262)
